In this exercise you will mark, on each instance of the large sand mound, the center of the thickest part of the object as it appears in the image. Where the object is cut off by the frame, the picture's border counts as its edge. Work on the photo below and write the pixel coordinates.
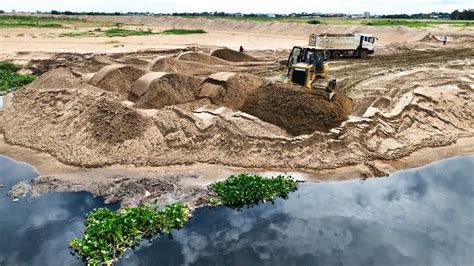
(233, 56)
(298, 110)
(170, 64)
(202, 58)
(170, 89)
(117, 78)
(230, 89)
(398, 112)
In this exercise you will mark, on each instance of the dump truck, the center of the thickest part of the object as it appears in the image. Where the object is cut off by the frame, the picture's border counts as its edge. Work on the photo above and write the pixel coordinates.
(344, 45)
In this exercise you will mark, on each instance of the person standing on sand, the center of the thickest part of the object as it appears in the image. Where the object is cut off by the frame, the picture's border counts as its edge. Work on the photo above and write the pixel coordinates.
(241, 49)
(445, 40)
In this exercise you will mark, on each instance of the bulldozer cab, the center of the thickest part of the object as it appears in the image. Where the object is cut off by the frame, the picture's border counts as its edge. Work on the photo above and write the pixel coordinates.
(310, 55)
(306, 64)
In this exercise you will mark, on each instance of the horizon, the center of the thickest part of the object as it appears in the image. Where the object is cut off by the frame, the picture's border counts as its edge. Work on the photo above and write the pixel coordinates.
(375, 7)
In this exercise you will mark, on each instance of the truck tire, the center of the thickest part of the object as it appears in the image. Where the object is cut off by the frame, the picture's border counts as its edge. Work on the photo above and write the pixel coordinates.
(327, 54)
(336, 54)
(364, 54)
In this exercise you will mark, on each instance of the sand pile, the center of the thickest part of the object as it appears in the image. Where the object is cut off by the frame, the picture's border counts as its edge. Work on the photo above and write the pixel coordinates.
(170, 64)
(230, 89)
(117, 78)
(233, 56)
(57, 78)
(202, 58)
(298, 110)
(430, 38)
(80, 124)
(169, 89)
(82, 63)
(112, 122)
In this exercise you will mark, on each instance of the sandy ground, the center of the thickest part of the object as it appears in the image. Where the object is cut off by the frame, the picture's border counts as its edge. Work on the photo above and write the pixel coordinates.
(412, 104)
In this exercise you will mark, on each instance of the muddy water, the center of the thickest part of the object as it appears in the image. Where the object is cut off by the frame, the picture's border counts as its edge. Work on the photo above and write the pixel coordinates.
(36, 232)
(423, 216)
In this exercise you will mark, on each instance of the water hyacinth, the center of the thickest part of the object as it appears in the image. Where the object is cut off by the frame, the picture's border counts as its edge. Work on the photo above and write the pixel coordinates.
(109, 234)
(242, 189)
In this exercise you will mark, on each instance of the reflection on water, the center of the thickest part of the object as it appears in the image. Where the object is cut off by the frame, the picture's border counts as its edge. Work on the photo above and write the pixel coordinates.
(423, 216)
(37, 232)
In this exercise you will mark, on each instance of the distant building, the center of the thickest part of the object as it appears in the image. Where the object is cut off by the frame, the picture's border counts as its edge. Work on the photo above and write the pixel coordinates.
(366, 14)
(271, 15)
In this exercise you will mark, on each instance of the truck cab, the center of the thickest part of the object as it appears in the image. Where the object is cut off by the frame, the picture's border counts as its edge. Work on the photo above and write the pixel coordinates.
(367, 42)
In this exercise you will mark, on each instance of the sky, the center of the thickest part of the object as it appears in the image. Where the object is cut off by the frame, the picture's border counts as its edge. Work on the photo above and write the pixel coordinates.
(244, 6)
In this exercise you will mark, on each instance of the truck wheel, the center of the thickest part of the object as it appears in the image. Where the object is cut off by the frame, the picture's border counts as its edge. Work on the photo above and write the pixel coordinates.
(336, 54)
(327, 54)
(364, 54)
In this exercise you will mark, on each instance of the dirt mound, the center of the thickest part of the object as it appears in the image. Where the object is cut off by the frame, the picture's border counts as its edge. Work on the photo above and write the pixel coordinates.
(117, 78)
(56, 78)
(168, 90)
(170, 64)
(298, 110)
(230, 89)
(115, 123)
(430, 38)
(202, 58)
(233, 56)
(82, 63)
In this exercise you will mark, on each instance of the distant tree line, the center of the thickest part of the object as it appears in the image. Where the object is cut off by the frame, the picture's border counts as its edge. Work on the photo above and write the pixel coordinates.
(467, 14)
(70, 13)
(464, 15)
(418, 16)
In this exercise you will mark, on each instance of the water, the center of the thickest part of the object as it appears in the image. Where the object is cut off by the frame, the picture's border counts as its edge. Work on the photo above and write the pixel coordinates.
(37, 232)
(423, 216)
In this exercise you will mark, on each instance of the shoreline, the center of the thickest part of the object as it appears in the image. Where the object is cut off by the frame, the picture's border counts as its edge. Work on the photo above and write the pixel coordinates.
(132, 185)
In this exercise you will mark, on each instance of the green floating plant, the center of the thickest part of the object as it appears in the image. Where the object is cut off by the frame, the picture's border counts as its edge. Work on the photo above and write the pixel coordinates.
(242, 189)
(109, 234)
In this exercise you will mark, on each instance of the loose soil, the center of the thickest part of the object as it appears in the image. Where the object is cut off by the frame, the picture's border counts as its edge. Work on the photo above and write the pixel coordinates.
(172, 64)
(297, 109)
(119, 80)
(233, 56)
(410, 97)
(233, 91)
(202, 58)
(172, 89)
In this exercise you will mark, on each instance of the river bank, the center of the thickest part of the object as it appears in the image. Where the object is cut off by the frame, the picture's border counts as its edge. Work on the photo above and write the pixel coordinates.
(419, 216)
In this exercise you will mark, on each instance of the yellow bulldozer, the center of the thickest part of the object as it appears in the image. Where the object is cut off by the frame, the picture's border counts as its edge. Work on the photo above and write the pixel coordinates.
(307, 67)
(306, 64)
